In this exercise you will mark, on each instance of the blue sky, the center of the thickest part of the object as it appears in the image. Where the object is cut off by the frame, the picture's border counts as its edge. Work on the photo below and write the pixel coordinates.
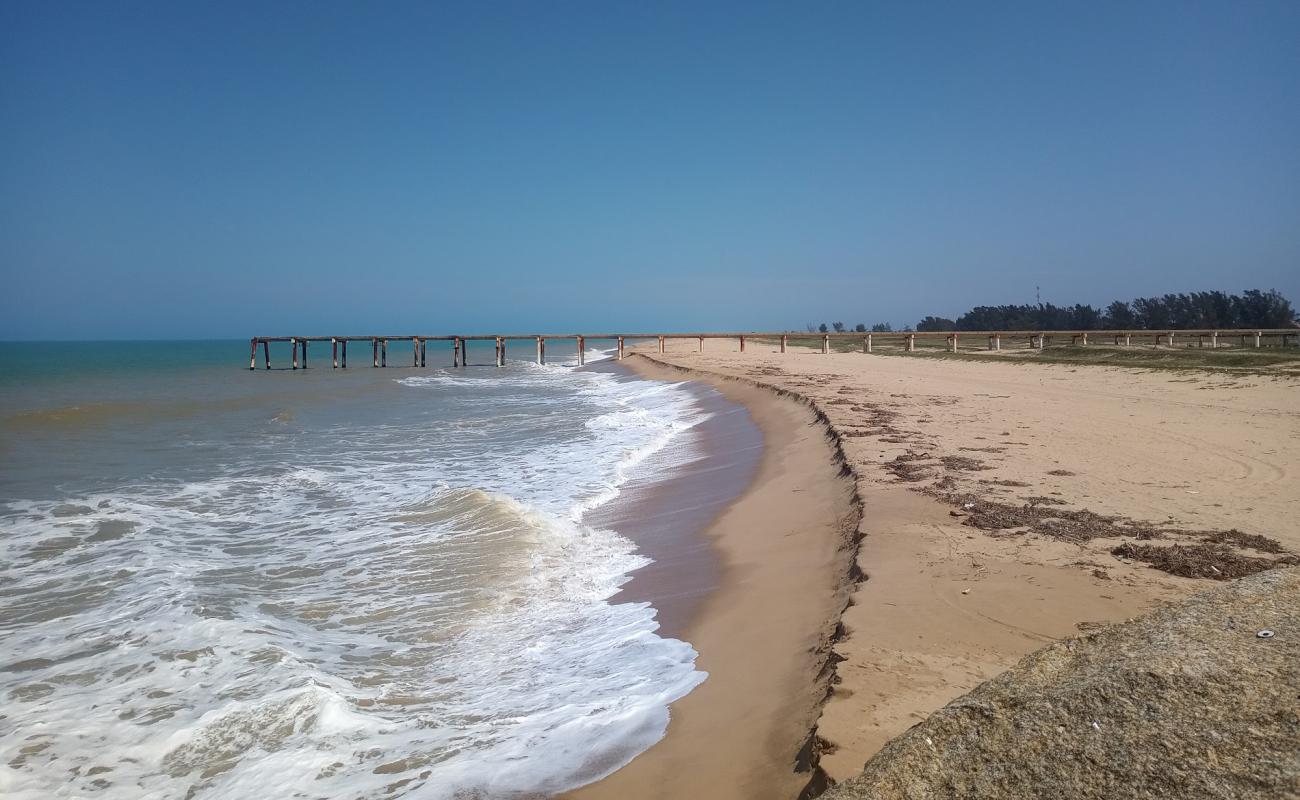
(213, 169)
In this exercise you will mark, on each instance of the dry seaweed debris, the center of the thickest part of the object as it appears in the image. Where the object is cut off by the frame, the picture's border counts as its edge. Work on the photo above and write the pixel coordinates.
(964, 463)
(1200, 560)
(1252, 541)
(905, 468)
(1040, 500)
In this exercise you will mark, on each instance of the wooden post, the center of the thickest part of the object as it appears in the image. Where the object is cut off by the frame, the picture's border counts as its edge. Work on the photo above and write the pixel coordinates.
(383, 352)
(252, 353)
(304, 354)
(415, 352)
(293, 343)
(1171, 339)
(911, 342)
(826, 343)
(952, 343)
(1214, 340)
(866, 343)
(582, 351)
(266, 353)
(620, 348)
(1257, 335)
(1041, 341)
(783, 338)
(334, 351)
(345, 354)
(374, 351)
(539, 350)
(1084, 342)
(1128, 340)
(661, 344)
(742, 344)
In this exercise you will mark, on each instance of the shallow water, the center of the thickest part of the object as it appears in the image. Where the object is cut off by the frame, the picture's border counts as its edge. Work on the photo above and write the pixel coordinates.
(361, 583)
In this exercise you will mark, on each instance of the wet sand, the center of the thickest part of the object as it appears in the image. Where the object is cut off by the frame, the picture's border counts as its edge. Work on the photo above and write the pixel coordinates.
(666, 514)
(781, 555)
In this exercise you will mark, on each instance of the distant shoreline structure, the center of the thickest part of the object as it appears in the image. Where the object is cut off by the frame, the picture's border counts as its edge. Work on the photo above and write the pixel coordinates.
(1037, 339)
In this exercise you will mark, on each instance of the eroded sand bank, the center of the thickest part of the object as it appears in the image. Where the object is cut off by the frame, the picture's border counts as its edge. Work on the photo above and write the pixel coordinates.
(764, 633)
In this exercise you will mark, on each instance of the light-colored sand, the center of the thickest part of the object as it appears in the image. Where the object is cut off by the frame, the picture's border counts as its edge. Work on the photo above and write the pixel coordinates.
(947, 606)
(764, 634)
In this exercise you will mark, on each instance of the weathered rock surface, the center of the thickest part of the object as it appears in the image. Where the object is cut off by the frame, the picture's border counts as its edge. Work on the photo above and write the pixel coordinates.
(1187, 702)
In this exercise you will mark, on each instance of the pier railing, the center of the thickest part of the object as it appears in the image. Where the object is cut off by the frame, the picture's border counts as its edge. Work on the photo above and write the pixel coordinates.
(906, 339)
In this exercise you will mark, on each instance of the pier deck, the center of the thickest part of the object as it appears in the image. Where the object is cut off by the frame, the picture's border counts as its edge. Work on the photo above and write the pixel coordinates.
(992, 340)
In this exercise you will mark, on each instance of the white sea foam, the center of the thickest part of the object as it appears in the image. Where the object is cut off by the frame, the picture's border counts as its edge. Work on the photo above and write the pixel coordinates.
(407, 608)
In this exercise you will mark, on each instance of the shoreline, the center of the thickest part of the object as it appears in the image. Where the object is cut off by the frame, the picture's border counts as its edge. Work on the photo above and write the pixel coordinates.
(762, 636)
(666, 509)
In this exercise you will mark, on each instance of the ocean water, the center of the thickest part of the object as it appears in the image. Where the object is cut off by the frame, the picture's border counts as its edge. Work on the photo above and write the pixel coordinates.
(323, 583)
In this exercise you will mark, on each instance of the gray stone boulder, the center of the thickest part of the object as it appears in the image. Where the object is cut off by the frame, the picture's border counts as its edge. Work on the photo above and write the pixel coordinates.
(1195, 700)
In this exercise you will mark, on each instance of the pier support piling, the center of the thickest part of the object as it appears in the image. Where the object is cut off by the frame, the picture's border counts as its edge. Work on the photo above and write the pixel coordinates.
(252, 354)
(620, 348)
(541, 355)
(345, 354)
(582, 352)
(374, 351)
(383, 353)
(293, 345)
(334, 352)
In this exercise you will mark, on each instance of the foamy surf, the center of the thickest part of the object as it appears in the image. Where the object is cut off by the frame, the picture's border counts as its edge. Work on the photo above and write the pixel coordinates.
(409, 606)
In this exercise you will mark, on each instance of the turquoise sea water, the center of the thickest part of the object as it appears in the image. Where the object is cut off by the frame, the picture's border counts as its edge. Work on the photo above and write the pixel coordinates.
(217, 582)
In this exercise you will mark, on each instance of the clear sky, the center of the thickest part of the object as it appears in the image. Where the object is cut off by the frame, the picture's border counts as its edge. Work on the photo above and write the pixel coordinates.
(185, 169)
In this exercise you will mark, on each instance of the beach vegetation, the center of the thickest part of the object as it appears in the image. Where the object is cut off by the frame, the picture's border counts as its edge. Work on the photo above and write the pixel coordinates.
(1253, 308)
(936, 324)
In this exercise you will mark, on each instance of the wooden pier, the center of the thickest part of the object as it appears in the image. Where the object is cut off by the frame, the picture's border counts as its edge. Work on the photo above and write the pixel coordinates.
(952, 341)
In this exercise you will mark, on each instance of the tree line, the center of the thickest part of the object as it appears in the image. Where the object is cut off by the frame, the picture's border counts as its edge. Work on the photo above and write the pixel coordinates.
(1253, 308)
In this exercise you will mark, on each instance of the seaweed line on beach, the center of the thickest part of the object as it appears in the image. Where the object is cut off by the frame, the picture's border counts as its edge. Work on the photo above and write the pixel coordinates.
(806, 760)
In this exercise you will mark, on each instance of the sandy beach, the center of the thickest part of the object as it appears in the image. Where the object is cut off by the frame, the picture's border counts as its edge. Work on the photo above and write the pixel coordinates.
(764, 632)
(951, 596)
